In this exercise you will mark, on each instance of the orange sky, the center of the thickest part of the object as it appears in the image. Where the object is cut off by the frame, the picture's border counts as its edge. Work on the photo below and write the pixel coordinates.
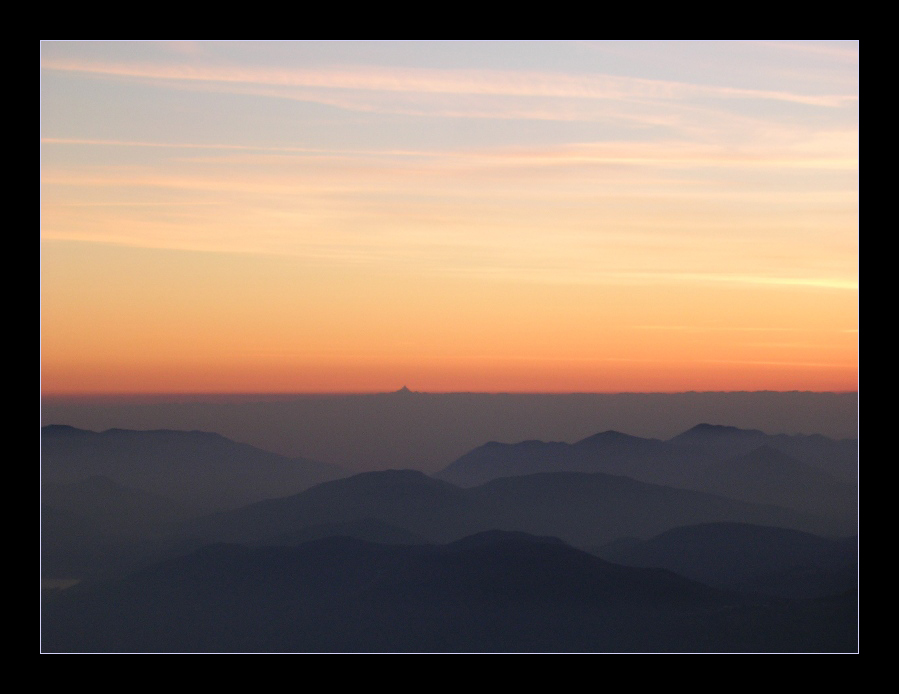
(450, 217)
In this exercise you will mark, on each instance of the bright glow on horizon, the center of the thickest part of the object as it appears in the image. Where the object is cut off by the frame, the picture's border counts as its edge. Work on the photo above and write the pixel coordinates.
(500, 217)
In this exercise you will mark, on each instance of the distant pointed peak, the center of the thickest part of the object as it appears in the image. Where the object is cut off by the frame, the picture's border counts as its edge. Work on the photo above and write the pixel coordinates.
(403, 391)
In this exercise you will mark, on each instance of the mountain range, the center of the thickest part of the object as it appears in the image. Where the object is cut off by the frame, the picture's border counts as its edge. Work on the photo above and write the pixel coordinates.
(187, 541)
(496, 592)
(740, 556)
(584, 509)
(812, 474)
(200, 470)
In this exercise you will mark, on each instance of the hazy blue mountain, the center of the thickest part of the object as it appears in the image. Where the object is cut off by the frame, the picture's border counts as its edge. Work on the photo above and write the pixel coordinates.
(201, 471)
(75, 547)
(368, 529)
(94, 526)
(112, 507)
(702, 458)
(496, 593)
(838, 458)
(407, 499)
(766, 475)
(583, 509)
(578, 506)
(610, 452)
(738, 556)
(427, 431)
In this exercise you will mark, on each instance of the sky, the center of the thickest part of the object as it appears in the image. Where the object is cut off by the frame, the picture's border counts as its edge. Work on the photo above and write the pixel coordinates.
(317, 217)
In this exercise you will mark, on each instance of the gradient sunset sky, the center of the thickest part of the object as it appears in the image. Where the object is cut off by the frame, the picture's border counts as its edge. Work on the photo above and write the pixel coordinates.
(451, 216)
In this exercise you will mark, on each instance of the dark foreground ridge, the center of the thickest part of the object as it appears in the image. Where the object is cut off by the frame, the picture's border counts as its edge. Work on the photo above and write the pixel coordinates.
(494, 593)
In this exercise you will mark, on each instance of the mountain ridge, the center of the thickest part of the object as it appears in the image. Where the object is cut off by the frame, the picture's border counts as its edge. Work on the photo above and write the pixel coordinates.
(703, 458)
(493, 593)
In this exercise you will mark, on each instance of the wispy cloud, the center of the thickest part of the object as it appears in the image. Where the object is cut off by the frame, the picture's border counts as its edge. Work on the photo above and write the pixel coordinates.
(823, 150)
(848, 53)
(662, 276)
(443, 81)
(793, 364)
(227, 146)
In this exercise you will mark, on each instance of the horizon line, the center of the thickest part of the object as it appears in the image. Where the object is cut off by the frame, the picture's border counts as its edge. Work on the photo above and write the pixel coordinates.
(400, 391)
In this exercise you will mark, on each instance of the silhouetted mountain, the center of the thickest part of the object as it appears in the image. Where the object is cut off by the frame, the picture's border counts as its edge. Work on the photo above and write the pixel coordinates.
(737, 556)
(491, 537)
(90, 526)
(493, 593)
(578, 506)
(113, 508)
(368, 529)
(838, 458)
(406, 499)
(75, 548)
(699, 459)
(427, 431)
(583, 509)
(766, 475)
(200, 470)
(610, 452)
(719, 439)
